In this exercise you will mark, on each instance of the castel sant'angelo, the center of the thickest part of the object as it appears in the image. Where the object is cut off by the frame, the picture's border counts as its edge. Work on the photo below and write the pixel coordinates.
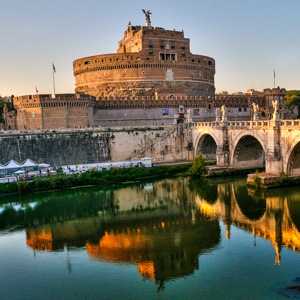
(149, 62)
(153, 79)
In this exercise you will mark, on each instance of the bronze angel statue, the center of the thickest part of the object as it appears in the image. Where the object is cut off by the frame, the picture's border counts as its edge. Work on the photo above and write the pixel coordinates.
(147, 14)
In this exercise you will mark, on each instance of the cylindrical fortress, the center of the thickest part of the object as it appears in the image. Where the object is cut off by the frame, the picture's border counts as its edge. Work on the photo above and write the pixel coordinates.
(149, 62)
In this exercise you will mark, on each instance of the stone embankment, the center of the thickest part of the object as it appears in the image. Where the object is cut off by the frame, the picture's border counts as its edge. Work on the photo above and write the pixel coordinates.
(80, 146)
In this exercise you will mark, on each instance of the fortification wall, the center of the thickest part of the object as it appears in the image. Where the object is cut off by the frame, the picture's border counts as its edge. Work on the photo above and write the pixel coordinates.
(63, 147)
(56, 148)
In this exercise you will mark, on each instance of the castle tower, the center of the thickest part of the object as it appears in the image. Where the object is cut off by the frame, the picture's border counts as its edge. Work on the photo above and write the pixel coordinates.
(149, 61)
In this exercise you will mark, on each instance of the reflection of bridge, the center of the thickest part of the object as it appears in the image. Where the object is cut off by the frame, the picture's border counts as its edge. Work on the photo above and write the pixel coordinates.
(275, 144)
(272, 217)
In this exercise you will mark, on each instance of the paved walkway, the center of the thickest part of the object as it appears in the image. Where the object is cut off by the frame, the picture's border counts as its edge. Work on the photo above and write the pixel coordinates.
(184, 162)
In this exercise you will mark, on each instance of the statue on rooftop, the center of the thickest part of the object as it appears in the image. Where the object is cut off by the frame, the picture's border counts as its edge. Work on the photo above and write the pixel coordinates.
(147, 14)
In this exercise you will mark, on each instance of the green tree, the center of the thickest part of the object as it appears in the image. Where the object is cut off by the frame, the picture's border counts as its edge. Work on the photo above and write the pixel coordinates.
(292, 98)
(199, 166)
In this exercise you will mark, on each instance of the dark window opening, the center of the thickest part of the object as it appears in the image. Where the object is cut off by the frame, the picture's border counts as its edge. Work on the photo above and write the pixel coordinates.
(87, 62)
(209, 63)
(193, 60)
(150, 51)
(173, 45)
(162, 45)
(183, 53)
(182, 46)
(245, 109)
(150, 44)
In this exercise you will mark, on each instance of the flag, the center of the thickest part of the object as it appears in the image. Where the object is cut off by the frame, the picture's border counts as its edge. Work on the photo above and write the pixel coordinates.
(54, 70)
(36, 90)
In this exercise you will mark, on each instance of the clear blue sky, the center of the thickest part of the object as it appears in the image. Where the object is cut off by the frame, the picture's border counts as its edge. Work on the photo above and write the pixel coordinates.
(247, 38)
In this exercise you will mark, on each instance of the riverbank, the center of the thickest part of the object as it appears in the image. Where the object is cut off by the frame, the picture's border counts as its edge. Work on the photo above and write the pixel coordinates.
(92, 178)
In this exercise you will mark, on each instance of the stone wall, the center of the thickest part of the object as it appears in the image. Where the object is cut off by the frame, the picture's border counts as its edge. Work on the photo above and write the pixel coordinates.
(55, 148)
(63, 147)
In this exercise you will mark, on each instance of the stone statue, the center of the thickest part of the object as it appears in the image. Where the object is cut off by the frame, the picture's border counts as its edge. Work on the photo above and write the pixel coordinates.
(275, 106)
(218, 114)
(189, 116)
(255, 108)
(147, 15)
(224, 111)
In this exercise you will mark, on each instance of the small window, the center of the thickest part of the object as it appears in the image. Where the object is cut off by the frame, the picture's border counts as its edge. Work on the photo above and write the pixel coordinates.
(150, 51)
(193, 60)
(182, 46)
(162, 56)
(173, 45)
(173, 57)
(162, 45)
(245, 108)
(150, 44)
(209, 63)
(87, 62)
(240, 109)
(183, 53)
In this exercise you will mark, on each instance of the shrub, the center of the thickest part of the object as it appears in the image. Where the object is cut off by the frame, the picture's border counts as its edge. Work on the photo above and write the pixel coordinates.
(199, 166)
(257, 180)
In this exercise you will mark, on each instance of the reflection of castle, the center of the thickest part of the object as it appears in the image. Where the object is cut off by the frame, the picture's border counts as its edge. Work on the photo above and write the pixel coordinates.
(162, 247)
(268, 216)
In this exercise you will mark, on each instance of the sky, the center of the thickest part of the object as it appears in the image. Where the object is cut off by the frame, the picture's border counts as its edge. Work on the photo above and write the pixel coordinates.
(247, 38)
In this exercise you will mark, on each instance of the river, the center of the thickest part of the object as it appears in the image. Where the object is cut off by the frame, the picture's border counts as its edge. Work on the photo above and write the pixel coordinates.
(166, 239)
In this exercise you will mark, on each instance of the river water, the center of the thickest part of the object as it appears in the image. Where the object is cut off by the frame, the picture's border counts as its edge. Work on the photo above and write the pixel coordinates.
(166, 239)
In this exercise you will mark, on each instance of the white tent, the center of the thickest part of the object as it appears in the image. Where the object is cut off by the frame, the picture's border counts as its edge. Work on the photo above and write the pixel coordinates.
(12, 164)
(19, 172)
(29, 163)
(2, 167)
(44, 165)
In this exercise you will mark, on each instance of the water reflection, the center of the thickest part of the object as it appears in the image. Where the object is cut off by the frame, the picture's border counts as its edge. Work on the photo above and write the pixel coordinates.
(273, 214)
(161, 227)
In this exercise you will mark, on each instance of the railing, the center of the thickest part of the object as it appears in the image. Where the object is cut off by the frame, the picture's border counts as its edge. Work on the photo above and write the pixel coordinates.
(248, 124)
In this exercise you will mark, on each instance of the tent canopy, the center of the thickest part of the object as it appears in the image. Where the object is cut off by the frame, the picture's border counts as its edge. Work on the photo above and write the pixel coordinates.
(44, 165)
(12, 164)
(29, 163)
(19, 172)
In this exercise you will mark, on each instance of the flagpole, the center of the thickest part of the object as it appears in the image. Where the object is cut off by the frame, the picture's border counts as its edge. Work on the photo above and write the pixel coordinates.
(274, 78)
(53, 78)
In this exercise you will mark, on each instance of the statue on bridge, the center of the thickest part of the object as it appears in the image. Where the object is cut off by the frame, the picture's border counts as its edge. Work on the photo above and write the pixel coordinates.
(189, 116)
(276, 116)
(218, 114)
(224, 113)
(255, 111)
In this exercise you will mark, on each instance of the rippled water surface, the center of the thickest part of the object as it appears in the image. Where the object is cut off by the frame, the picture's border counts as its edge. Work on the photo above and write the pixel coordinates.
(166, 239)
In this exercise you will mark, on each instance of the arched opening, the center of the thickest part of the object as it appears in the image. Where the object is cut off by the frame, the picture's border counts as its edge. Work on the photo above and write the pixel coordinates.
(249, 153)
(207, 147)
(293, 167)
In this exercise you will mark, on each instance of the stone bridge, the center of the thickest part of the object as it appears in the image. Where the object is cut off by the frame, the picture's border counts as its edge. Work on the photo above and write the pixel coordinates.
(274, 145)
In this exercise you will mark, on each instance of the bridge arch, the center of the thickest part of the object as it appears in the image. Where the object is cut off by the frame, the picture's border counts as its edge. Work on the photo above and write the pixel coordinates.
(206, 144)
(248, 151)
(293, 159)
